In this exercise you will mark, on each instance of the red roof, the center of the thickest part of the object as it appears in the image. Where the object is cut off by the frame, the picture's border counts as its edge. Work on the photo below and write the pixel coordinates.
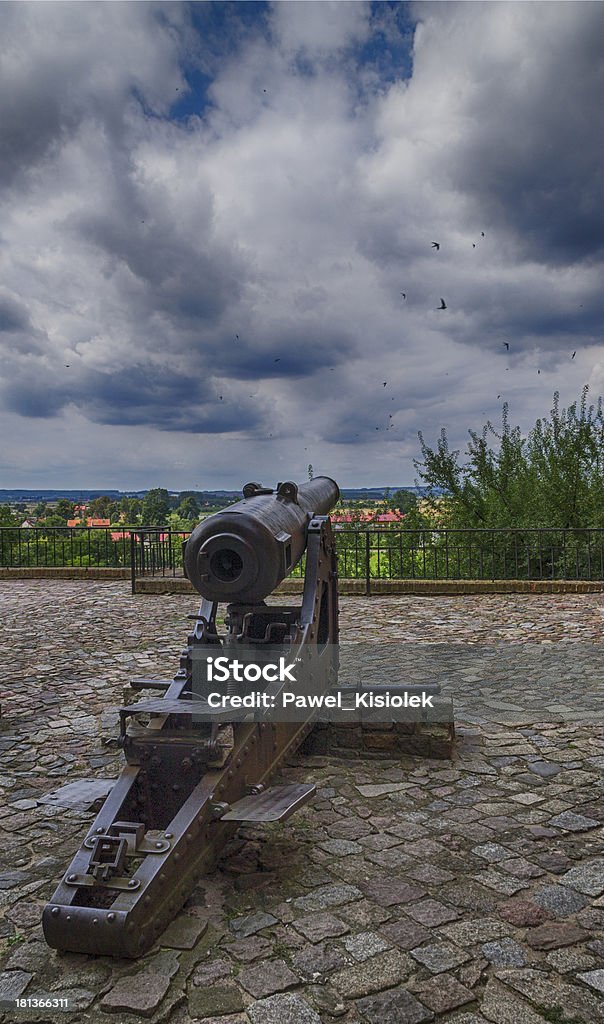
(90, 521)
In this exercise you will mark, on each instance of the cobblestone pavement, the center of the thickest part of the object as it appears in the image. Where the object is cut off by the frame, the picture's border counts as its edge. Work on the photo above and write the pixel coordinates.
(469, 890)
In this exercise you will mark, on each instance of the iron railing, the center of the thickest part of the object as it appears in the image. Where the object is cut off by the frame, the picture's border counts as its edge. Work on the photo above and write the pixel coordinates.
(363, 553)
(429, 554)
(63, 546)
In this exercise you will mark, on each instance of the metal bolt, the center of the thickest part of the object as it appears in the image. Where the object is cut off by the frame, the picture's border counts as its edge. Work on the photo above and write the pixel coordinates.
(159, 846)
(168, 835)
(71, 878)
(55, 912)
(132, 883)
(111, 917)
(95, 920)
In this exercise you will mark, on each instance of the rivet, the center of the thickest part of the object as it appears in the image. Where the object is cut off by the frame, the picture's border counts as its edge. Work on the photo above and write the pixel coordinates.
(189, 837)
(95, 920)
(159, 845)
(111, 916)
(68, 918)
(71, 878)
(168, 835)
(55, 911)
(132, 883)
(147, 900)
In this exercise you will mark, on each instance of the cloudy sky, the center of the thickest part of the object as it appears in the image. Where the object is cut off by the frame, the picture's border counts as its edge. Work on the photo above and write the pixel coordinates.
(210, 213)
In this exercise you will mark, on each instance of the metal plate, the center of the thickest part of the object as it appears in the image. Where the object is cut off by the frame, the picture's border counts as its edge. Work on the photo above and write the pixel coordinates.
(172, 706)
(274, 804)
(80, 795)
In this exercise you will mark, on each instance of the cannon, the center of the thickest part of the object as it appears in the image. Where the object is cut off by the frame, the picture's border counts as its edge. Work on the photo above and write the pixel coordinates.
(194, 771)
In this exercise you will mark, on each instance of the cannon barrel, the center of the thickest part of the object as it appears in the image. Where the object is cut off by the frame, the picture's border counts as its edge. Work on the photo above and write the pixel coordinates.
(242, 553)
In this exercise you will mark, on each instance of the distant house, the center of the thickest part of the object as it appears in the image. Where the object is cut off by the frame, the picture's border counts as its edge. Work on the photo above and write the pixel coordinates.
(394, 516)
(27, 525)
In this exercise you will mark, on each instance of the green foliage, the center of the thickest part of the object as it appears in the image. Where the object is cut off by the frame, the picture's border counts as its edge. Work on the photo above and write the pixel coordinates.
(100, 508)
(8, 518)
(403, 500)
(155, 507)
(188, 510)
(554, 477)
(65, 509)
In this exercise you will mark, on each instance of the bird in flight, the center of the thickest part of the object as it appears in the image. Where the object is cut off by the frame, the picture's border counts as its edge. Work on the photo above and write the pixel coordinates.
(443, 304)
(67, 365)
(237, 336)
(498, 396)
(574, 354)
(473, 245)
(385, 382)
(507, 345)
(278, 360)
(404, 295)
(482, 234)
(221, 398)
(436, 245)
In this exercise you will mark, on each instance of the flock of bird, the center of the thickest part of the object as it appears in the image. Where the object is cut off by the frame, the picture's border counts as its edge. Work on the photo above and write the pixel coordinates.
(443, 305)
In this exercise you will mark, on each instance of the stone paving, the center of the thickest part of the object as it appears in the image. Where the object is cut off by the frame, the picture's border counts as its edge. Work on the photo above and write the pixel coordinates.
(469, 890)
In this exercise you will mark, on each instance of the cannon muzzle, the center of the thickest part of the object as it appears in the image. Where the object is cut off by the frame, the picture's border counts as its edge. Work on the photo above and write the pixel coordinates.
(242, 553)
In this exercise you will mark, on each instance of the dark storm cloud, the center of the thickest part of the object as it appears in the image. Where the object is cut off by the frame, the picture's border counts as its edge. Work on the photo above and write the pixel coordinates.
(164, 399)
(533, 154)
(13, 316)
(143, 395)
(189, 281)
(66, 62)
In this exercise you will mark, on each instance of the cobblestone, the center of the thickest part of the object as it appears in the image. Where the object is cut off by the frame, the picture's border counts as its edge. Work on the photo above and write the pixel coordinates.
(388, 899)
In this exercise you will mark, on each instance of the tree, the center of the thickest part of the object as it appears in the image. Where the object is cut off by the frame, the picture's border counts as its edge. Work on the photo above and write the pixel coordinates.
(403, 500)
(100, 508)
(188, 510)
(130, 509)
(554, 477)
(156, 505)
(65, 509)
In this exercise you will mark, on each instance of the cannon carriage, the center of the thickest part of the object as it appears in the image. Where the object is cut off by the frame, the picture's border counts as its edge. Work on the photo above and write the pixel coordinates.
(195, 771)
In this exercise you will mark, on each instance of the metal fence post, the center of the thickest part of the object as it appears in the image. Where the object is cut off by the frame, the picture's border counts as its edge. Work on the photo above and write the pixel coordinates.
(367, 564)
(132, 563)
